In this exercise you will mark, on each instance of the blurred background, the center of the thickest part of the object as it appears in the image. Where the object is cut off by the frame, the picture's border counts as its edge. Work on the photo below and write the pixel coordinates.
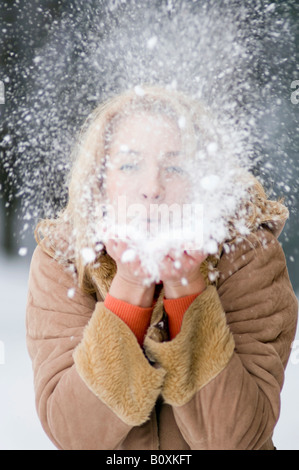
(26, 29)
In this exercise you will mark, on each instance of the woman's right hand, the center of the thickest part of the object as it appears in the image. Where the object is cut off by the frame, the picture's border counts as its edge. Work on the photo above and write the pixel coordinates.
(129, 267)
(131, 282)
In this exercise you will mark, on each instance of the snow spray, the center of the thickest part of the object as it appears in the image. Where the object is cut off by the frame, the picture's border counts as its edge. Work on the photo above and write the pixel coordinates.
(228, 55)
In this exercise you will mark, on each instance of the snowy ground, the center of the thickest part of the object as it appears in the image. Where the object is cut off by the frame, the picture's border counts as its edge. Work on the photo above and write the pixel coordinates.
(19, 426)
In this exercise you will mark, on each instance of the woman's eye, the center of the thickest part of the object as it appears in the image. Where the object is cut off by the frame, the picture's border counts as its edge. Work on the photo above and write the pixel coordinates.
(175, 170)
(127, 167)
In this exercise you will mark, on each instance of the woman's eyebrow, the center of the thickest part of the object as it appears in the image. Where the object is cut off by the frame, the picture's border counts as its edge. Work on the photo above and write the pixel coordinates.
(172, 154)
(125, 149)
(128, 151)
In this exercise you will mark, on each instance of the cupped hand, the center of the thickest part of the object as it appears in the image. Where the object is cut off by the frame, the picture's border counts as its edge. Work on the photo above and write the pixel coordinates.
(185, 266)
(181, 274)
(131, 283)
(128, 263)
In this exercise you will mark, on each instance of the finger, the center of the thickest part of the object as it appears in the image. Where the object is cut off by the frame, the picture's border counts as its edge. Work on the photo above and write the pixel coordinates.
(169, 267)
(110, 245)
(115, 248)
(196, 255)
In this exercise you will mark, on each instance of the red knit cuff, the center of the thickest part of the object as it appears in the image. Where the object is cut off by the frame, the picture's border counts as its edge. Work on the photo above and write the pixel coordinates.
(137, 318)
(175, 309)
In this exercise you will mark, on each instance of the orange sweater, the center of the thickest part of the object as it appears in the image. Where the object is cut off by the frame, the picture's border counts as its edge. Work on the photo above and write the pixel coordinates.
(138, 318)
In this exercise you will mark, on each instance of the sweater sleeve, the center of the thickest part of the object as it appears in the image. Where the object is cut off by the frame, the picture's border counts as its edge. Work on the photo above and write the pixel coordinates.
(175, 309)
(225, 369)
(92, 380)
(138, 318)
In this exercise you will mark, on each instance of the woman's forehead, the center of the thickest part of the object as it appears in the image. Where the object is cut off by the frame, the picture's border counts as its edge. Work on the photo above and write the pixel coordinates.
(146, 120)
(144, 130)
(156, 121)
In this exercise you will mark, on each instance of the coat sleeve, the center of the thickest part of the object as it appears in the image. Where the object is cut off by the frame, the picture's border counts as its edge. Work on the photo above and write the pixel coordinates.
(225, 388)
(92, 380)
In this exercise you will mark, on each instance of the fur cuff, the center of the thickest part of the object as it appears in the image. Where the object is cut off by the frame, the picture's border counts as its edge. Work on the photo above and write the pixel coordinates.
(113, 366)
(198, 353)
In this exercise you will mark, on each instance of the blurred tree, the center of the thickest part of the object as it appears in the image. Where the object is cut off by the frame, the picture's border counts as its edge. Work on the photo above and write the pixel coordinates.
(24, 26)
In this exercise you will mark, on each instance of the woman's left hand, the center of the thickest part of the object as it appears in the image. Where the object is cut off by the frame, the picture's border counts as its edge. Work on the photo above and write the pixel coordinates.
(181, 275)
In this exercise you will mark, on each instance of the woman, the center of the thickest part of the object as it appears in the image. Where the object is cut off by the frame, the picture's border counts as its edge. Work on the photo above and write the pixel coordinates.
(192, 360)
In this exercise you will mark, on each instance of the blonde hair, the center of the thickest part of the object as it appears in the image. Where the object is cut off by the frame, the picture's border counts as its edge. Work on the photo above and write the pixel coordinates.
(66, 236)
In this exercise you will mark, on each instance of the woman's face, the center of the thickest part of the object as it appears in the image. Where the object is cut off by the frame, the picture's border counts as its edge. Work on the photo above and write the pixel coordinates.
(146, 162)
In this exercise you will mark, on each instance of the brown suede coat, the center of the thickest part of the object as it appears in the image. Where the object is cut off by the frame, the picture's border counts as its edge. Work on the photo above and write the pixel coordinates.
(215, 386)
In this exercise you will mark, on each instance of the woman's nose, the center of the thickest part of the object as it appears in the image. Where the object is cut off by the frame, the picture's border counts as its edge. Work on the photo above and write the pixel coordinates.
(152, 188)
